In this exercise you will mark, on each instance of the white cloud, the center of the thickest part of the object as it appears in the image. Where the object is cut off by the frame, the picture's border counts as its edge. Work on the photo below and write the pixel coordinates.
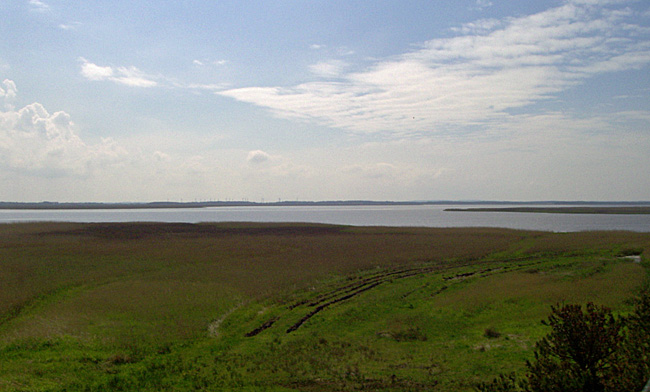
(38, 6)
(129, 76)
(210, 87)
(481, 5)
(480, 26)
(69, 26)
(202, 63)
(134, 77)
(331, 68)
(34, 141)
(8, 93)
(257, 157)
(474, 78)
(95, 72)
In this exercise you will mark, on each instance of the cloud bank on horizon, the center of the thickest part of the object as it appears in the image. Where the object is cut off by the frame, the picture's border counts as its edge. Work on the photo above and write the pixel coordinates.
(550, 102)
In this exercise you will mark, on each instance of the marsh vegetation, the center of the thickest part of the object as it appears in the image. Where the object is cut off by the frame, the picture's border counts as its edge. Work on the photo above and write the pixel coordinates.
(281, 307)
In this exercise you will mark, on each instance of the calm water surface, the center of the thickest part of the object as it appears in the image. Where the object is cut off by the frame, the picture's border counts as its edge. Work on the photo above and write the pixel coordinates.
(420, 215)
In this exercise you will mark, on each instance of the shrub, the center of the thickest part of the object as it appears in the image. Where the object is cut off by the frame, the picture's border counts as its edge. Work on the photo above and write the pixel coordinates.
(492, 333)
(576, 354)
(587, 351)
(631, 366)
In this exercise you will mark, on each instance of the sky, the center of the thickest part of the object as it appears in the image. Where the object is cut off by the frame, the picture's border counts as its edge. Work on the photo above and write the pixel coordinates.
(137, 101)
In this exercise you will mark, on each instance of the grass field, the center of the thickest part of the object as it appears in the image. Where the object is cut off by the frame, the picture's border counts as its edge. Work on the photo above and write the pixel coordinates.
(289, 307)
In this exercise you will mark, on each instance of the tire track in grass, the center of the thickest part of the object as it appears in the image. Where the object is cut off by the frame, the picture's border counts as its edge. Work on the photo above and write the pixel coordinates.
(348, 291)
(325, 305)
(341, 294)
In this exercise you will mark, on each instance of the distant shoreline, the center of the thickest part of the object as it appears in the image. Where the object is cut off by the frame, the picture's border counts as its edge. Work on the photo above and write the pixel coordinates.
(627, 210)
(576, 207)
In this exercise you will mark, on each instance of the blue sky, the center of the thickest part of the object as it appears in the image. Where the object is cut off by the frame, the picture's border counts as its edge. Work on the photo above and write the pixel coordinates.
(324, 100)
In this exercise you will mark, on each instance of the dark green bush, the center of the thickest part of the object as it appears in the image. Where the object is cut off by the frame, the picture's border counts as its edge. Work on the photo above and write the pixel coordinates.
(587, 351)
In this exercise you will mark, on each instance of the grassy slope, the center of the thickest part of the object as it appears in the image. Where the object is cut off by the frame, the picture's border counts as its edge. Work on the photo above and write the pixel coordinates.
(167, 307)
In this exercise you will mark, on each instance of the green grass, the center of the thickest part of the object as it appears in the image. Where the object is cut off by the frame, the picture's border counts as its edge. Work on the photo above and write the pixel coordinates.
(150, 307)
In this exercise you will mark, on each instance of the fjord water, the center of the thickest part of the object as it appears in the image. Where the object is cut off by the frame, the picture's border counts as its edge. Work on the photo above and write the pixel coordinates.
(393, 215)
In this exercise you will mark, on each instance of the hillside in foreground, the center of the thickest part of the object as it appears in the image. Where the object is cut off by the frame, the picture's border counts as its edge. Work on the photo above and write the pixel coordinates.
(282, 307)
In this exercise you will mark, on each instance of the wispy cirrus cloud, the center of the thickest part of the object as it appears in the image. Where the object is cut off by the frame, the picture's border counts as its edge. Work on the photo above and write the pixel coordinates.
(38, 6)
(201, 63)
(134, 77)
(491, 68)
(331, 68)
(69, 26)
(481, 5)
(129, 76)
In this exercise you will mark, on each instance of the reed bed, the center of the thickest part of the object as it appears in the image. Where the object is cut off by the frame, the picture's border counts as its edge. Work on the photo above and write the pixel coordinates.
(153, 306)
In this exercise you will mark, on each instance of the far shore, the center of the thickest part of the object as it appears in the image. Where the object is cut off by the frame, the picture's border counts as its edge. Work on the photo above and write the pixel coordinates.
(627, 210)
(572, 207)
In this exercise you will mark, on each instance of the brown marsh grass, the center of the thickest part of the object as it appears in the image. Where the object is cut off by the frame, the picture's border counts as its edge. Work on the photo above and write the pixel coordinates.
(176, 277)
(115, 291)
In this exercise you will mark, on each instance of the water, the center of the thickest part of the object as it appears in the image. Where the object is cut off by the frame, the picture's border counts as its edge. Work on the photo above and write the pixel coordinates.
(411, 215)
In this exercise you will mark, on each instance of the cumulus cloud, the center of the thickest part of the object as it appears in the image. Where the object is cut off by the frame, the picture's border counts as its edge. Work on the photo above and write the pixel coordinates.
(129, 76)
(477, 77)
(8, 93)
(35, 141)
(257, 157)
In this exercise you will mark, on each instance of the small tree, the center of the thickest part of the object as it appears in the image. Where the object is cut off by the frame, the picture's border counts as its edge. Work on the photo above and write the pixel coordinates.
(630, 368)
(574, 356)
(587, 351)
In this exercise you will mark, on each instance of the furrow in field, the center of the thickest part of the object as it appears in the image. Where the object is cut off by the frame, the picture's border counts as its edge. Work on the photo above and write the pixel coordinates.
(348, 291)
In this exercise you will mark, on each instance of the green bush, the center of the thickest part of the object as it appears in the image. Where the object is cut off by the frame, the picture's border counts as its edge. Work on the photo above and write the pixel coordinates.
(587, 351)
